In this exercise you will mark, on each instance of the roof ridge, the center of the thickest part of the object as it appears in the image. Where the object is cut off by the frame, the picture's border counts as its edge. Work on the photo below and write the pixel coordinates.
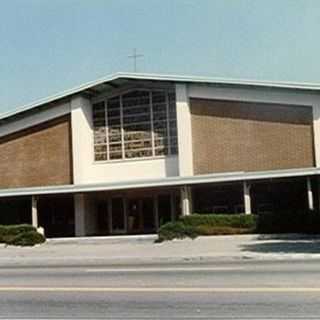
(161, 77)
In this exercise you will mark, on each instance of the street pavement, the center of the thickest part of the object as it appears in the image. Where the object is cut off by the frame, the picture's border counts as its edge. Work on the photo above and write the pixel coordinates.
(67, 280)
(190, 290)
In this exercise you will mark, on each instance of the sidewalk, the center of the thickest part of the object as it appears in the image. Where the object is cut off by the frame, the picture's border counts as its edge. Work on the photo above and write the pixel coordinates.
(85, 251)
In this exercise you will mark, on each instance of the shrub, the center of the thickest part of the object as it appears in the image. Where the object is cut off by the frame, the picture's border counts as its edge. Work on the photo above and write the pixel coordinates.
(29, 238)
(8, 232)
(176, 230)
(217, 231)
(207, 224)
(221, 220)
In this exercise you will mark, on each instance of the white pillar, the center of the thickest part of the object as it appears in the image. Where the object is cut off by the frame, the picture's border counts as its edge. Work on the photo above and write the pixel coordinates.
(34, 204)
(310, 194)
(184, 130)
(79, 215)
(82, 138)
(316, 131)
(247, 198)
(186, 201)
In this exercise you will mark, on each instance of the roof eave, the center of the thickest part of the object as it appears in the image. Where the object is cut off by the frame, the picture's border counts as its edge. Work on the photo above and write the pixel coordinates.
(166, 182)
(160, 77)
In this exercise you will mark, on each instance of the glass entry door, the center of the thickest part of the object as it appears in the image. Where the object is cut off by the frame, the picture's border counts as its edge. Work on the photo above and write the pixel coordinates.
(141, 217)
(134, 216)
(148, 215)
(118, 222)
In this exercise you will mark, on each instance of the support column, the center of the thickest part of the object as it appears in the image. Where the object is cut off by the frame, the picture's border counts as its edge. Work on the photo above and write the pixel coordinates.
(186, 201)
(79, 215)
(34, 204)
(247, 198)
(310, 195)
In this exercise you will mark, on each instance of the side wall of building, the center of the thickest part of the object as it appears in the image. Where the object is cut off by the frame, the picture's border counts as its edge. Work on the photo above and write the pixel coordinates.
(240, 136)
(249, 129)
(40, 155)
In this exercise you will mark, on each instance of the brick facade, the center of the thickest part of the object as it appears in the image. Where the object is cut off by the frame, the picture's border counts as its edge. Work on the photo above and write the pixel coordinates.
(240, 136)
(38, 156)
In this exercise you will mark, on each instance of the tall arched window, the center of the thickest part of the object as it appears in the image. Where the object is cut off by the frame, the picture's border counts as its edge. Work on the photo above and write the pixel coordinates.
(136, 124)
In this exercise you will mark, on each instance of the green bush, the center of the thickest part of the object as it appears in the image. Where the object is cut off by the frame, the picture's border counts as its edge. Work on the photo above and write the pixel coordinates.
(218, 231)
(20, 235)
(207, 224)
(29, 238)
(227, 224)
(176, 230)
(221, 220)
(10, 231)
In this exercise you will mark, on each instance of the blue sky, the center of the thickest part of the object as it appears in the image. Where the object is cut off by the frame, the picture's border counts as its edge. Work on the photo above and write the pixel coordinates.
(51, 45)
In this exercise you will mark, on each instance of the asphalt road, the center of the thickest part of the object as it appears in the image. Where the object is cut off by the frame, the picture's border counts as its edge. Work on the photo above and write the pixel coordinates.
(220, 290)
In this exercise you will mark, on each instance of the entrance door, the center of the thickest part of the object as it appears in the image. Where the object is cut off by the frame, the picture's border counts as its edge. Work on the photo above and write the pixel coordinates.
(118, 222)
(141, 217)
(164, 209)
(134, 216)
(148, 215)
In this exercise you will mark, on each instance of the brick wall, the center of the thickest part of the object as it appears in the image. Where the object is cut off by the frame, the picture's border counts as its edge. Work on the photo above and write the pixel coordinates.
(38, 156)
(241, 136)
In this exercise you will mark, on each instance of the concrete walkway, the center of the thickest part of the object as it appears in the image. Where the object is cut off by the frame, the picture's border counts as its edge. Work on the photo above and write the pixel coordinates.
(119, 250)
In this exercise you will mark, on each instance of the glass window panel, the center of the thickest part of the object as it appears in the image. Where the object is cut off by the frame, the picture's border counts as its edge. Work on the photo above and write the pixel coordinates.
(115, 155)
(138, 153)
(161, 152)
(99, 131)
(100, 148)
(114, 128)
(134, 115)
(100, 156)
(160, 142)
(158, 97)
(115, 147)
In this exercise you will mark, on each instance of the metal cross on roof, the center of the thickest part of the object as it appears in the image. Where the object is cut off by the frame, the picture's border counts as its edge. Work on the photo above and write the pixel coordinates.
(135, 56)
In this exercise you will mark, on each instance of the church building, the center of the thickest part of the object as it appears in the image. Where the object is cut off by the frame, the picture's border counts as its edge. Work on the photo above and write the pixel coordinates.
(130, 152)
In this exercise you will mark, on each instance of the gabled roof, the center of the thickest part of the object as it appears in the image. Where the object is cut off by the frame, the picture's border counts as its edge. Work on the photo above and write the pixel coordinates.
(117, 79)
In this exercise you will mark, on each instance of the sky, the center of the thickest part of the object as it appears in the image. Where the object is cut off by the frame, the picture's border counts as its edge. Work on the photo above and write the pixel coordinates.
(47, 46)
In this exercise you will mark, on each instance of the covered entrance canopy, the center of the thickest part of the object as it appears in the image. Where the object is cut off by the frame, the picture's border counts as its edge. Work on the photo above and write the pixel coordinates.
(139, 207)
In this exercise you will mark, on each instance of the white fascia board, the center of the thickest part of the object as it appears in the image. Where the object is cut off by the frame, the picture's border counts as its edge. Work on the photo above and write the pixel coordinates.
(167, 182)
(34, 119)
(162, 77)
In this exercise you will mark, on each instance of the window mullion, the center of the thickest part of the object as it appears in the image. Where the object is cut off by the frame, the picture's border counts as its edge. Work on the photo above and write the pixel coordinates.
(107, 127)
(151, 122)
(168, 124)
(122, 130)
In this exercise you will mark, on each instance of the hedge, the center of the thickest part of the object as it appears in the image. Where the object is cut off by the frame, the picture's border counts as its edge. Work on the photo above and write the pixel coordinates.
(16, 234)
(227, 224)
(207, 224)
(221, 220)
(29, 238)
